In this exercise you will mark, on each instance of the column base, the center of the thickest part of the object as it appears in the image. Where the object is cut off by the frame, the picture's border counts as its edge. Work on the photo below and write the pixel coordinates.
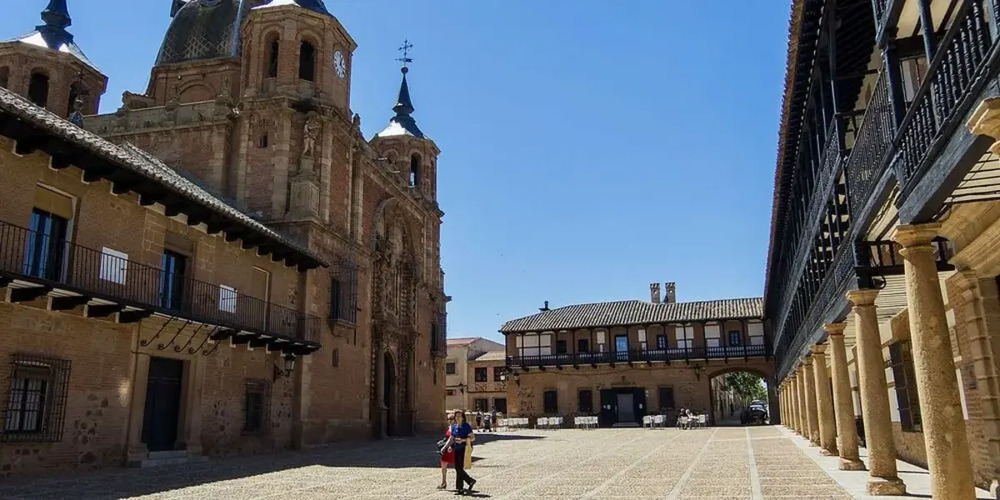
(828, 453)
(851, 464)
(884, 486)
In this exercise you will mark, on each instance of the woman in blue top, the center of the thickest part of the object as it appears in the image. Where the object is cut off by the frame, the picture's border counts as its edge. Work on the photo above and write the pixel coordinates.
(461, 435)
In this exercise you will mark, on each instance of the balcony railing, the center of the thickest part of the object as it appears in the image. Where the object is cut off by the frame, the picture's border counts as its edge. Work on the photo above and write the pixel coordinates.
(636, 356)
(870, 156)
(79, 274)
(956, 65)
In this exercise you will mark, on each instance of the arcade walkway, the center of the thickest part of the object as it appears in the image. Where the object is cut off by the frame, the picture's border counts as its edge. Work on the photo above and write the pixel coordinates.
(731, 462)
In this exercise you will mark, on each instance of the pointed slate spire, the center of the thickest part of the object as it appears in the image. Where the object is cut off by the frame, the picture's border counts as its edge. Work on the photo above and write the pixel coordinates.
(403, 123)
(56, 15)
(403, 105)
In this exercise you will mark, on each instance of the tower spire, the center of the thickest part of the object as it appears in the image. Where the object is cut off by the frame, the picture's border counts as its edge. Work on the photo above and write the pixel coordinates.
(403, 123)
(56, 15)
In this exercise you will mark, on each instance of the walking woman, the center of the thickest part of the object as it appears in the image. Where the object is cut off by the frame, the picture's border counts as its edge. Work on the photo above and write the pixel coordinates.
(461, 437)
(447, 455)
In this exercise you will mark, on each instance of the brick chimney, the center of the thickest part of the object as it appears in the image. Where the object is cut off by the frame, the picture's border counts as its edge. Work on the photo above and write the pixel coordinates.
(654, 293)
(671, 293)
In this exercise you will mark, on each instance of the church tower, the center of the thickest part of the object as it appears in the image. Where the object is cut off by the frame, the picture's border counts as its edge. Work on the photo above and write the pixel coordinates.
(48, 67)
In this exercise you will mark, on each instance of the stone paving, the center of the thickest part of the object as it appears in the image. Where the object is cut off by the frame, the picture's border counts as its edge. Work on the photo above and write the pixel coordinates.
(718, 463)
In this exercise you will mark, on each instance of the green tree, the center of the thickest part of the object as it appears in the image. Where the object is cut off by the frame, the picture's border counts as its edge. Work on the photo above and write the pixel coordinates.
(747, 385)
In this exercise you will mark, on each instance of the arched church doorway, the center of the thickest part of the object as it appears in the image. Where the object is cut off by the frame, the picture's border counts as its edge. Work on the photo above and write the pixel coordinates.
(389, 392)
(739, 396)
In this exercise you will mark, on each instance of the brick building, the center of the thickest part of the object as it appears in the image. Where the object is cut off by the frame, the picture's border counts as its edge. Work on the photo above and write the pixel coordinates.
(623, 360)
(228, 221)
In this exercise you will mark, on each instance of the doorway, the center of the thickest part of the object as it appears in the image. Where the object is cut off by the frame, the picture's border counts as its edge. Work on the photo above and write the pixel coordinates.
(389, 394)
(163, 404)
(626, 412)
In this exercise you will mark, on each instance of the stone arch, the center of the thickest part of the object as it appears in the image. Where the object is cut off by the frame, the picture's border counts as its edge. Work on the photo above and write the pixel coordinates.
(765, 371)
(416, 168)
(38, 86)
(308, 58)
(271, 54)
(390, 392)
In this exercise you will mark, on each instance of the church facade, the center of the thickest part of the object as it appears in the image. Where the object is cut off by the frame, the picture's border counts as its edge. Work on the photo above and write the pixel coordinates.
(249, 103)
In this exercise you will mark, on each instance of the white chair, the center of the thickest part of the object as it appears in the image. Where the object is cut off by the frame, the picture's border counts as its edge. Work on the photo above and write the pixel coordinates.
(658, 420)
(683, 422)
(647, 421)
(702, 420)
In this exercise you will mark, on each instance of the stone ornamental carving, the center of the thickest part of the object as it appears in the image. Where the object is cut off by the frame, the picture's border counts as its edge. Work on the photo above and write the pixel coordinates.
(310, 134)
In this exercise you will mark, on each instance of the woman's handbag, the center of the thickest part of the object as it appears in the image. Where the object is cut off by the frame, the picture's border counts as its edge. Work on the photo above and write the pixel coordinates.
(468, 456)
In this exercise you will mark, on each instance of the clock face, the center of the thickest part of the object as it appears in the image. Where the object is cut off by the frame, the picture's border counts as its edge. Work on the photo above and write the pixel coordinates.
(339, 64)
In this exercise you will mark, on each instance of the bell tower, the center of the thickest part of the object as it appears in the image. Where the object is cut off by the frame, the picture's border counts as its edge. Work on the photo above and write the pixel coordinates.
(47, 67)
(407, 149)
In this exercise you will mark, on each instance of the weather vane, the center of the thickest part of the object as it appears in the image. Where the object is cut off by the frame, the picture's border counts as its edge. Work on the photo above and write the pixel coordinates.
(405, 49)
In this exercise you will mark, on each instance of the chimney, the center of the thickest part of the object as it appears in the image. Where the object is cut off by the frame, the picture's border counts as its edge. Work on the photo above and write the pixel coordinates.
(654, 293)
(671, 293)
(545, 308)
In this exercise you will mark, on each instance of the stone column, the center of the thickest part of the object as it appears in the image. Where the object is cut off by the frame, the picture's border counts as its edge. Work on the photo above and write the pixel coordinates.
(843, 403)
(934, 366)
(793, 396)
(824, 402)
(811, 414)
(800, 380)
(874, 398)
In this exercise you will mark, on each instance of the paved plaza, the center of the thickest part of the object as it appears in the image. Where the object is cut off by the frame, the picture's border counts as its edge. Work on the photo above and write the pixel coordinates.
(718, 463)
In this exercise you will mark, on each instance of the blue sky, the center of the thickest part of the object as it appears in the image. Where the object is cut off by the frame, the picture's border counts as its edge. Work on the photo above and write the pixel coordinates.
(588, 147)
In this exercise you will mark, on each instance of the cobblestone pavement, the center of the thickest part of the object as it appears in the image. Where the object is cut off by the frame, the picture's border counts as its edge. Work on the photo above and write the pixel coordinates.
(718, 463)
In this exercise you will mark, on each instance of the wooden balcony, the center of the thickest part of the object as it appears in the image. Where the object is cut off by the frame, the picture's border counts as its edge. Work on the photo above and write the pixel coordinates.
(632, 357)
(33, 266)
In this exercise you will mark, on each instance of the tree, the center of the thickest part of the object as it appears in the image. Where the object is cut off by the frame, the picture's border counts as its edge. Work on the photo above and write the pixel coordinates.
(747, 386)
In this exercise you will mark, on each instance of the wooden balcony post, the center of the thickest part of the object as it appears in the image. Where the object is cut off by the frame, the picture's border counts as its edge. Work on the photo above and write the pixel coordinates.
(927, 23)
(890, 61)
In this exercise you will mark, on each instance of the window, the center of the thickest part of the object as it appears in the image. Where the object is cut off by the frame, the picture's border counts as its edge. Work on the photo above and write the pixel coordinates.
(901, 361)
(642, 340)
(415, 171)
(712, 336)
(533, 344)
(585, 401)
(600, 341)
(661, 341)
(344, 292)
(46, 245)
(582, 345)
(307, 62)
(481, 375)
(272, 59)
(335, 355)
(481, 404)
(172, 266)
(756, 333)
(550, 402)
(498, 373)
(262, 141)
(449, 369)
(560, 347)
(450, 392)
(735, 338)
(621, 343)
(500, 405)
(114, 266)
(912, 70)
(36, 403)
(666, 398)
(227, 299)
(38, 89)
(75, 92)
(256, 406)
(4, 76)
(685, 336)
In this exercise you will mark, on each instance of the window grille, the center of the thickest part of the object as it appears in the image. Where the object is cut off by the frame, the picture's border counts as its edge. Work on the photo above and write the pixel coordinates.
(481, 375)
(550, 402)
(901, 361)
(344, 292)
(666, 398)
(36, 402)
(586, 401)
(498, 372)
(449, 369)
(256, 407)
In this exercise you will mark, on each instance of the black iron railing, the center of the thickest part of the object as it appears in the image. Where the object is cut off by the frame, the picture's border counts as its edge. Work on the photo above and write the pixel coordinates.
(883, 256)
(632, 356)
(958, 58)
(870, 156)
(59, 264)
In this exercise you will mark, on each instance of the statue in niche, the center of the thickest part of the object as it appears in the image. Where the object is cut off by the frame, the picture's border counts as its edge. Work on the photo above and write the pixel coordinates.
(310, 133)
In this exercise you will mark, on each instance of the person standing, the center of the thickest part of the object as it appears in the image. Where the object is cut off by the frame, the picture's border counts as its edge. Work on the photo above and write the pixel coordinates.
(447, 455)
(460, 440)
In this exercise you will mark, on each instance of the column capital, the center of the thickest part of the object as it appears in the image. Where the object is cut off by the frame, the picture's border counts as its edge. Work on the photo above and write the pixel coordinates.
(985, 120)
(863, 297)
(807, 362)
(834, 328)
(818, 349)
(916, 235)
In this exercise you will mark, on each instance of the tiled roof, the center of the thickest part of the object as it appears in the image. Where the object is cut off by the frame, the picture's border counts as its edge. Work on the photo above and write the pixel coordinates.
(463, 340)
(492, 356)
(632, 312)
(137, 161)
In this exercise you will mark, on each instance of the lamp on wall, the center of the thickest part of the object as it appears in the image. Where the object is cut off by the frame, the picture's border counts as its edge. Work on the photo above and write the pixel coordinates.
(461, 387)
(289, 363)
(698, 369)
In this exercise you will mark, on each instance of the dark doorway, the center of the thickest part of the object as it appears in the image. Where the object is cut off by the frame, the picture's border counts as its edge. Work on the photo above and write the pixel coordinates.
(389, 394)
(500, 405)
(163, 404)
(622, 406)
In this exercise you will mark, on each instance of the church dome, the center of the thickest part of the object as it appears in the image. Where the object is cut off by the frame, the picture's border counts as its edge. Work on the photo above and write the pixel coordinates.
(209, 29)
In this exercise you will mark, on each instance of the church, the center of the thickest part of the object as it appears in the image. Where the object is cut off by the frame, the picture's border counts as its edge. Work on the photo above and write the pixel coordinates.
(225, 264)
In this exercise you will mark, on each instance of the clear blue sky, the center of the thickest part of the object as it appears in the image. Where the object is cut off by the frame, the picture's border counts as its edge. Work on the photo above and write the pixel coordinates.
(588, 147)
